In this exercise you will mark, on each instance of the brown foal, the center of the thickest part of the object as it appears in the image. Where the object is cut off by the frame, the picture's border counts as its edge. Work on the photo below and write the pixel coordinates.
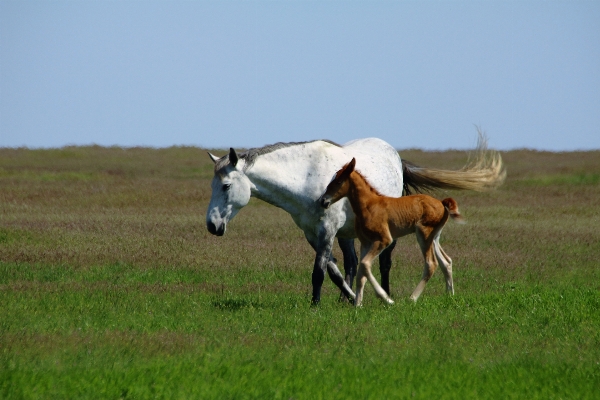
(381, 219)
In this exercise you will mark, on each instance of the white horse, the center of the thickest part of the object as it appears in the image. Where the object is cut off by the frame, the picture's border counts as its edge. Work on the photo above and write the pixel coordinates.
(293, 176)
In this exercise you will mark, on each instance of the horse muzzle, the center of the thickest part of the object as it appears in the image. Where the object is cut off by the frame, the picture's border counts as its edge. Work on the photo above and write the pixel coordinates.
(325, 202)
(212, 228)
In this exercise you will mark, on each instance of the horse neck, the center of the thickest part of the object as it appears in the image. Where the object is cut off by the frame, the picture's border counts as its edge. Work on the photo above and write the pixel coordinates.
(360, 192)
(272, 177)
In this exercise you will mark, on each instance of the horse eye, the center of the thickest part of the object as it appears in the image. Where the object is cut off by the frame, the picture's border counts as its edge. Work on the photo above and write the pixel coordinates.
(226, 187)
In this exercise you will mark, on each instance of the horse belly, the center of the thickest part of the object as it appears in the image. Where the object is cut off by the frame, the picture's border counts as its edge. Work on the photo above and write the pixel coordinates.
(346, 230)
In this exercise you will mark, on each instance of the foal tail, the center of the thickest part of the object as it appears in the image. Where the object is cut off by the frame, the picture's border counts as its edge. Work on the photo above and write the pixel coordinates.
(452, 207)
(485, 172)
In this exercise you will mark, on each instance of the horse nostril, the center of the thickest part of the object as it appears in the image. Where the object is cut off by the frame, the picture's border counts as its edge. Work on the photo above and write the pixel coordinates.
(211, 228)
(324, 203)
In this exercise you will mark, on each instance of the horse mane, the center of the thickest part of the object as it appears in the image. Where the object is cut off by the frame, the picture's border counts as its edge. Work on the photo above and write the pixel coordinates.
(251, 155)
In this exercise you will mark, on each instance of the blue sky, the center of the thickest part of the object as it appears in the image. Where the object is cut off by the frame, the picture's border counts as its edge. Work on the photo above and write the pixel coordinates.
(245, 74)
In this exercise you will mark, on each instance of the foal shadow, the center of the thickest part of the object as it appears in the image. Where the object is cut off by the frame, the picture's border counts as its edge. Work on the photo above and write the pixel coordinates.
(234, 304)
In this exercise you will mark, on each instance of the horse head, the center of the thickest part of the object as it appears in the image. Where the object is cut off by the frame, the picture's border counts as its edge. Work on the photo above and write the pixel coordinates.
(231, 190)
(338, 187)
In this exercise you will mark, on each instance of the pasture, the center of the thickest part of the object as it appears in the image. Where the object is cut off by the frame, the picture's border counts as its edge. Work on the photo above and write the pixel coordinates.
(111, 287)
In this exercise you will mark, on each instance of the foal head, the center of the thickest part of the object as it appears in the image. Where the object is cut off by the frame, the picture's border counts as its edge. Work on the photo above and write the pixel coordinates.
(339, 185)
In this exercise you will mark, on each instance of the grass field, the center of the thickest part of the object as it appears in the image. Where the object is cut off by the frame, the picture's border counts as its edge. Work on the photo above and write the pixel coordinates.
(111, 287)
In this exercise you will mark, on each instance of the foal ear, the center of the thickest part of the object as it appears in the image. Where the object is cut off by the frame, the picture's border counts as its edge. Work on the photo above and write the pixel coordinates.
(213, 157)
(350, 167)
(346, 170)
(233, 158)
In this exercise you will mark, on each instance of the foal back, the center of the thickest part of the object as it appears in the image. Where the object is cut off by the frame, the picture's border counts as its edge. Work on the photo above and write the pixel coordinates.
(408, 214)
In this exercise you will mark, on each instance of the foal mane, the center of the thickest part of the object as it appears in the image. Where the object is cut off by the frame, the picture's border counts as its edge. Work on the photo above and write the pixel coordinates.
(371, 188)
(251, 155)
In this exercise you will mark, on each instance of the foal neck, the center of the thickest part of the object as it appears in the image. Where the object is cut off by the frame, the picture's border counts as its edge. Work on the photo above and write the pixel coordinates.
(360, 190)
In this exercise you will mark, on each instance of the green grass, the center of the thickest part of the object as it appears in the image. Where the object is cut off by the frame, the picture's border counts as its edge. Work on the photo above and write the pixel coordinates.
(110, 287)
(148, 340)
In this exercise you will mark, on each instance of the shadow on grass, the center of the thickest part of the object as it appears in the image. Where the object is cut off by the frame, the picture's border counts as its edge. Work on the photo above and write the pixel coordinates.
(234, 304)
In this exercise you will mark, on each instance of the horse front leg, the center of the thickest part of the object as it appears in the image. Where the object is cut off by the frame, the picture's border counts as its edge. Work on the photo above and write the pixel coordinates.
(385, 264)
(336, 276)
(323, 262)
(350, 262)
(318, 276)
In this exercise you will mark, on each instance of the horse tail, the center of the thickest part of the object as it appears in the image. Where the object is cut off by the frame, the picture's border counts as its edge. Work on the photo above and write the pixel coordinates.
(485, 172)
(452, 207)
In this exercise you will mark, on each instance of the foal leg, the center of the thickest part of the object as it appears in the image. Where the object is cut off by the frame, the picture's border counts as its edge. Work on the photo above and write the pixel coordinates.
(385, 264)
(445, 265)
(368, 254)
(427, 248)
(361, 279)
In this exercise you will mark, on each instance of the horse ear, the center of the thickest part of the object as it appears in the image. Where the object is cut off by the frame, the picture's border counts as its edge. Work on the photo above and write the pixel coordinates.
(213, 157)
(233, 158)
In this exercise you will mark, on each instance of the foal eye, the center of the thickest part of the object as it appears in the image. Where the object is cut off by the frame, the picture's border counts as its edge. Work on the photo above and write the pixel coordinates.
(226, 187)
